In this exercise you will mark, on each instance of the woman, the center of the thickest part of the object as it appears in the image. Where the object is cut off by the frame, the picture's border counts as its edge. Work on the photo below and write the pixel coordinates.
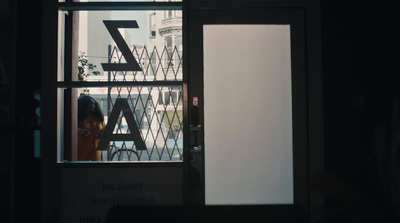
(90, 126)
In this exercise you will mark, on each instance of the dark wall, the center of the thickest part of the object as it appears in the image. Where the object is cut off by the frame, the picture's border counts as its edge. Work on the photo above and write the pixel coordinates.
(360, 52)
(27, 178)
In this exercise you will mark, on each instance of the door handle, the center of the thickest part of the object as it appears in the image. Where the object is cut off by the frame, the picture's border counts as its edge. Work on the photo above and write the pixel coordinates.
(195, 127)
(194, 112)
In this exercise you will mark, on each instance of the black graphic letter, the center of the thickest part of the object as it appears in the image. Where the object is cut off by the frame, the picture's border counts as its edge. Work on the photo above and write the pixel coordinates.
(131, 64)
(121, 104)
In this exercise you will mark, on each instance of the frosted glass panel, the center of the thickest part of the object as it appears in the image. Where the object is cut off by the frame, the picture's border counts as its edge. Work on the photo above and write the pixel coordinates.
(248, 114)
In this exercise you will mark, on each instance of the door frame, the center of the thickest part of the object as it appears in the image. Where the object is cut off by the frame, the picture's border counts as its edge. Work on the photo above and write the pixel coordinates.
(311, 108)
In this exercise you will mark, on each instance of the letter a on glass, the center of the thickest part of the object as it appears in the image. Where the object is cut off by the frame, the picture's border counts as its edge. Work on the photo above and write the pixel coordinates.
(121, 104)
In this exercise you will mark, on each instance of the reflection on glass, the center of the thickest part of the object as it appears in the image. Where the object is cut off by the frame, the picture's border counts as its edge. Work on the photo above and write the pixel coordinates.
(157, 112)
(156, 45)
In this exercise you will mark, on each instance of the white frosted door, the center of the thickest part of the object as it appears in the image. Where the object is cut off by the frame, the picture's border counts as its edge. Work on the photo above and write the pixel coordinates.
(248, 114)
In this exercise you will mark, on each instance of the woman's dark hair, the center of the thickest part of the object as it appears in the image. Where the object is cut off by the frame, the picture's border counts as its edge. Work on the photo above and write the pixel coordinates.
(88, 106)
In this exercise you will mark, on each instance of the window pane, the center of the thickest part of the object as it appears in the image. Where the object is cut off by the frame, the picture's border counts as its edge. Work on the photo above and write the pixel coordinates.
(159, 124)
(152, 59)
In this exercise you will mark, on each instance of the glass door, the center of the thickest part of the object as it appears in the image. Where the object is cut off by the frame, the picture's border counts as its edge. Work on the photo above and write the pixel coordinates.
(248, 108)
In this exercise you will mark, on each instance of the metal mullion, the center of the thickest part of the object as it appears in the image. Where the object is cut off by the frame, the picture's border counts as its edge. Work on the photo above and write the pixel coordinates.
(185, 153)
(68, 35)
(79, 84)
(66, 6)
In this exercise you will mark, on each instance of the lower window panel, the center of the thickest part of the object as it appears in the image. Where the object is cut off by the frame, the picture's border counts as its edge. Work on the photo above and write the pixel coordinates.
(130, 124)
